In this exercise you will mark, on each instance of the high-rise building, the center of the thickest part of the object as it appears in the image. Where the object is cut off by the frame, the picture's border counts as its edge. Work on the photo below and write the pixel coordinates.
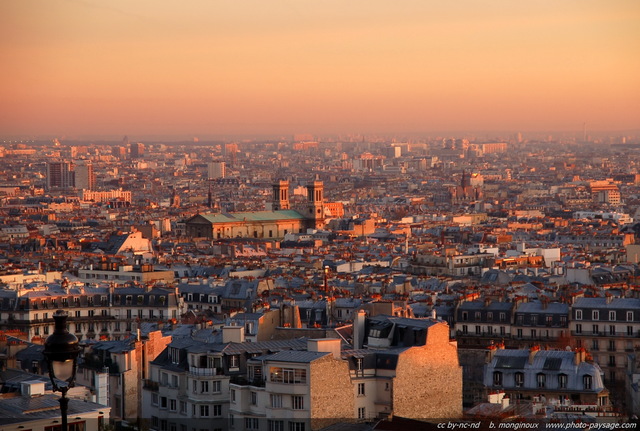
(119, 152)
(216, 170)
(60, 175)
(136, 150)
(85, 178)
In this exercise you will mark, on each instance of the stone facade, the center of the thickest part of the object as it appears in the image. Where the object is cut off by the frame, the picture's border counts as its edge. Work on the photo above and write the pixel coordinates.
(428, 382)
(331, 398)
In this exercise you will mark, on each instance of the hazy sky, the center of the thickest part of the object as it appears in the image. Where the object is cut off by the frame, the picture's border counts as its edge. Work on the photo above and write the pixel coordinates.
(210, 67)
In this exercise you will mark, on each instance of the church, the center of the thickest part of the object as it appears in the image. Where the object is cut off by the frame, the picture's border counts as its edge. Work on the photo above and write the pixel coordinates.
(273, 224)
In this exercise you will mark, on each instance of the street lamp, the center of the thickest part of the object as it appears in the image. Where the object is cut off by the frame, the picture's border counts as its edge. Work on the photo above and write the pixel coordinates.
(61, 353)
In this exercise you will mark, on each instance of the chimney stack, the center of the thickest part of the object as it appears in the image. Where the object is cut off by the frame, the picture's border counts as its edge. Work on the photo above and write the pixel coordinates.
(358, 329)
(532, 353)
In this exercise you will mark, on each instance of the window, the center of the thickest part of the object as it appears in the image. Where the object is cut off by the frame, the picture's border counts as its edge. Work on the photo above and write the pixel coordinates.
(204, 411)
(215, 386)
(578, 314)
(548, 320)
(541, 380)
(579, 328)
(519, 379)
(183, 407)
(217, 410)
(477, 316)
(629, 316)
(465, 316)
(251, 423)
(596, 330)
(587, 381)
(563, 320)
(174, 381)
(204, 387)
(163, 402)
(612, 315)
(275, 425)
(465, 329)
(489, 316)
(502, 330)
(595, 345)
(503, 317)
(534, 319)
(534, 333)
(497, 378)
(562, 381)
(519, 319)
(254, 398)
(276, 401)
(612, 329)
(288, 375)
(612, 345)
(362, 413)
(612, 361)
(232, 395)
(174, 355)
(595, 315)
(296, 426)
(194, 385)
(173, 405)
(297, 402)
(478, 330)
(519, 333)
(630, 330)
(154, 399)
(234, 361)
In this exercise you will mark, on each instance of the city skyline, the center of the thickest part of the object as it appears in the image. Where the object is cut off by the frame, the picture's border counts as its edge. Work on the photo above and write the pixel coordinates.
(84, 68)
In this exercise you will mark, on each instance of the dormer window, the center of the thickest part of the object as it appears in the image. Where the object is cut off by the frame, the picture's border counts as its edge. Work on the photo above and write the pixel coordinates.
(174, 355)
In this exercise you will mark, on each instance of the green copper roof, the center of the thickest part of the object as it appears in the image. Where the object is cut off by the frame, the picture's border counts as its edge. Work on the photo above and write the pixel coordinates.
(253, 216)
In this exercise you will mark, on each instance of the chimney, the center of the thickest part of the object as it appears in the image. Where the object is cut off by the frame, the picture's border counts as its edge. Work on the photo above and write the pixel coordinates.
(433, 314)
(358, 329)
(532, 353)
(233, 334)
(331, 345)
(579, 355)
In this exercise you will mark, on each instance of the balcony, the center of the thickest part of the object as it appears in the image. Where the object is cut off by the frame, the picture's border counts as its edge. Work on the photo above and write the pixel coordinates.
(150, 385)
(197, 371)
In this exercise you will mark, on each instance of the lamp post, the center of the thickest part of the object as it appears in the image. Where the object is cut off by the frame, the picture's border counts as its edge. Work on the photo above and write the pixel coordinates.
(61, 353)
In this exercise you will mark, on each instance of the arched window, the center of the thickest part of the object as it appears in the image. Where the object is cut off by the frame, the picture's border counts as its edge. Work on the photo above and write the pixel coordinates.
(497, 378)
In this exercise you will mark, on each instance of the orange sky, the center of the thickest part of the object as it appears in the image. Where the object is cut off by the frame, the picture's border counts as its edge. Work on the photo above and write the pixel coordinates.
(213, 67)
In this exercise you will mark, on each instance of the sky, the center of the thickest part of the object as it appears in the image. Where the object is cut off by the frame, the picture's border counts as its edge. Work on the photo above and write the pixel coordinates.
(72, 68)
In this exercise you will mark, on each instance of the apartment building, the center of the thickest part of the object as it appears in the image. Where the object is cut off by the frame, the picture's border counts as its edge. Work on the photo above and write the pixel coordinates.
(94, 312)
(562, 377)
(609, 328)
(189, 382)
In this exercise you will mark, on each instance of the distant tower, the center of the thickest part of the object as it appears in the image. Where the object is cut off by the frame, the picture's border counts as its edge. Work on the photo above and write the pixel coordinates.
(175, 199)
(85, 177)
(136, 150)
(315, 203)
(60, 175)
(466, 180)
(281, 195)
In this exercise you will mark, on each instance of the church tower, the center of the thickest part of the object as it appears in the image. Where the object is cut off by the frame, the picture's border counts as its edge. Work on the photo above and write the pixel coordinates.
(281, 195)
(315, 203)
